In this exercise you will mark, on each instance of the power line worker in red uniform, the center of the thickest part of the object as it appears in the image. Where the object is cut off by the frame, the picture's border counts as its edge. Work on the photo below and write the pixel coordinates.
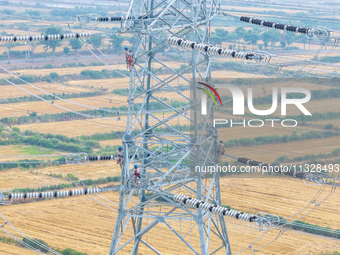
(129, 60)
(136, 175)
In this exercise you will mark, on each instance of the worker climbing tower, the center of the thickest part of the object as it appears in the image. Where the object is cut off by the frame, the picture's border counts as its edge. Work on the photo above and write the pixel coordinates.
(170, 139)
(168, 143)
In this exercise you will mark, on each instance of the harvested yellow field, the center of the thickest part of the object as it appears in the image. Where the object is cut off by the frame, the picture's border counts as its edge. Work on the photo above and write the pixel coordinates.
(268, 153)
(233, 74)
(280, 196)
(60, 71)
(21, 21)
(37, 48)
(83, 86)
(16, 178)
(320, 106)
(310, 56)
(35, 178)
(170, 95)
(117, 83)
(259, 9)
(117, 142)
(108, 25)
(85, 225)
(239, 132)
(56, 88)
(78, 70)
(316, 69)
(17, 31)
(110, 142)
(92, 170)
(91, 126)
(90, 224)
(279, 84)
(22, 9)
(69, 237)
(7, 249)
(107, 101)
(33, 158)
(48, 108)
(78, 127)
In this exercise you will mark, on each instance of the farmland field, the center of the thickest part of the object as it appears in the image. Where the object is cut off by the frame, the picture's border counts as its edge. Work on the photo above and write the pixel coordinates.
(97, 102)
(268, 153)
(97, 226)
(110, 142)
(80, 223)
(77, 127)
(248, 132)
(31, 129)
(11, 91)
(88, 126)
(321, 106)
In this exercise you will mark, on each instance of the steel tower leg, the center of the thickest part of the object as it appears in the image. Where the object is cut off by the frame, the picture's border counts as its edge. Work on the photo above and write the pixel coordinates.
(146, 127)
(167, 144)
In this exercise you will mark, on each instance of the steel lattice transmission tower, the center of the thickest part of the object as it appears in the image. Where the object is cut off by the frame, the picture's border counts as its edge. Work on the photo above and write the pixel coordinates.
(172, 142)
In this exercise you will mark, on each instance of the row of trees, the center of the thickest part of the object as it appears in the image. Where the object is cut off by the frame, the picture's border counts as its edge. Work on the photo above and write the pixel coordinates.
(50, 141)
(33, 244)
(275, 139)
(253, 36)
(115, 43)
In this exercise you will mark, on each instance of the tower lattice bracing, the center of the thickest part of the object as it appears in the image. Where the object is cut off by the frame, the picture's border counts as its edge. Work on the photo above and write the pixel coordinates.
(175, 206)
(171, 135)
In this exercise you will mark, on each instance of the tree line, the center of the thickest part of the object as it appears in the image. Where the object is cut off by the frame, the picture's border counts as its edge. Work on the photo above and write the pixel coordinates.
(50, 141)
(310, 228)
(12, 100)
(254, 35)
(34, 117)
(308, 157)
(275, 139)
(33, 243)
(115, 43)
(53, 76)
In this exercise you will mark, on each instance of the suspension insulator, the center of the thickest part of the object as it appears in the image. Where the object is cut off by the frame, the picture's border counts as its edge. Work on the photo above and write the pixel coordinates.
(44, 37)
(214, 209)
(278, 26)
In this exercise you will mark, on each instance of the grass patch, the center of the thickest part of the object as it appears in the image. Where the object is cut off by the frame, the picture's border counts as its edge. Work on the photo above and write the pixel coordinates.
(34, 150)
(36, 244)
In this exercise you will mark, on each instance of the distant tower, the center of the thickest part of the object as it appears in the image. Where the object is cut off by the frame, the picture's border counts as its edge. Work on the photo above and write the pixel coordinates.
(160, 144)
